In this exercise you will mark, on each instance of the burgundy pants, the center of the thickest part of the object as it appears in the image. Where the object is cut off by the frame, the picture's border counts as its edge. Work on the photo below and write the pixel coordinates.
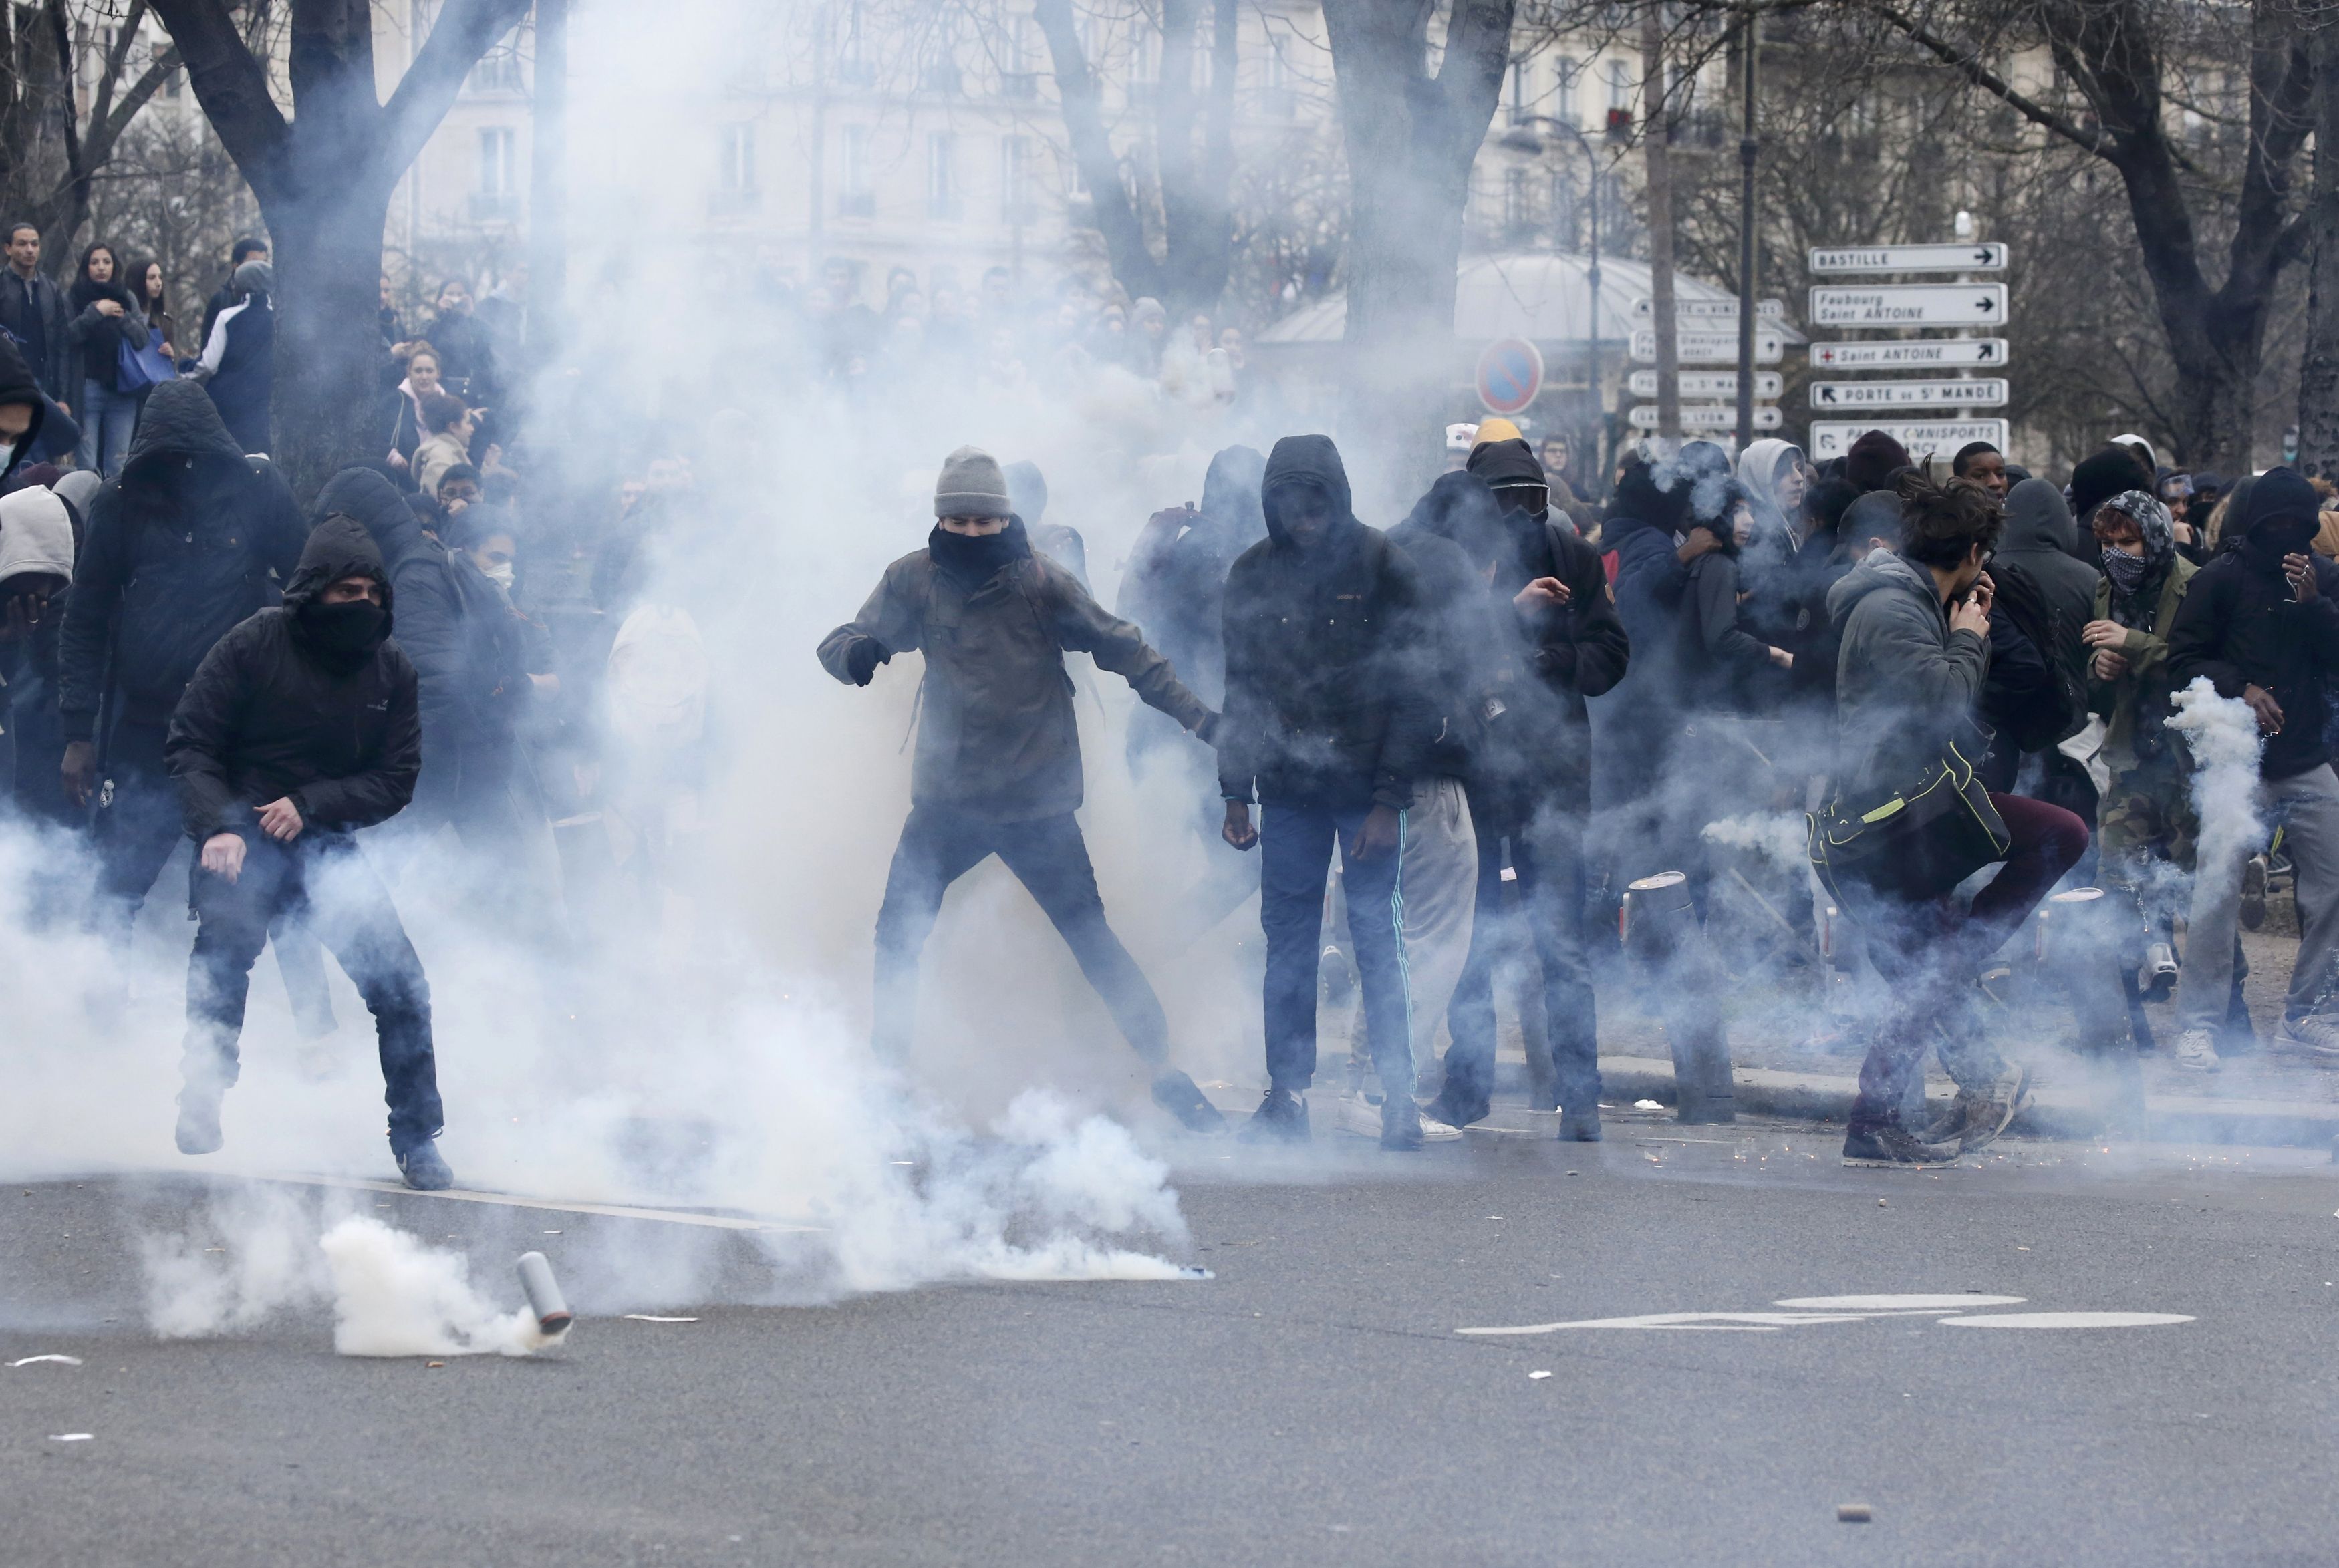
(1928, 953)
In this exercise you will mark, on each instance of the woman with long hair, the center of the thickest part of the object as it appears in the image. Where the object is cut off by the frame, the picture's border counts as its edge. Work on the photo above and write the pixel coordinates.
(422, 378)
(144, 277)
(105, 318)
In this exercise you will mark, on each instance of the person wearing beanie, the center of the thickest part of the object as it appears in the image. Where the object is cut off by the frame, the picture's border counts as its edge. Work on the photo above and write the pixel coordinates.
(998, 767)
(37, 559)
(1873, 460)
(303, 725)
(1027, 493)
(2114, 472)
(2261, 622)
(1331, 711)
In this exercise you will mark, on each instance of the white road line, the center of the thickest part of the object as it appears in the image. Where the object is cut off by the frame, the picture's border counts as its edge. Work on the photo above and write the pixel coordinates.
(2069, 1320)
(559, 1205)
(1897, 1303)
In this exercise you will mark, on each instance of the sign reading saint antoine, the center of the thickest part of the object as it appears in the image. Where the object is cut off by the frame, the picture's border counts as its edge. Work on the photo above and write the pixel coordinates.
(1908, 305)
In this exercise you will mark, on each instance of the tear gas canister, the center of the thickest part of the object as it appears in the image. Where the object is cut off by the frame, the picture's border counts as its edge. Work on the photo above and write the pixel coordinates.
(544, 1298)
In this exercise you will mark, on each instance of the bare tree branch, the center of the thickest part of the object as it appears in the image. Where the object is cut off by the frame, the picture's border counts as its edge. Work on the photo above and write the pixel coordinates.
(466, 30)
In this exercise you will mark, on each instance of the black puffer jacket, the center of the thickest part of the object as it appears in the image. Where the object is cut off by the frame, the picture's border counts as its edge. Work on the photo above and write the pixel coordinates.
(467, 645)
(180, 546)
(267, 718)
(1328, 660)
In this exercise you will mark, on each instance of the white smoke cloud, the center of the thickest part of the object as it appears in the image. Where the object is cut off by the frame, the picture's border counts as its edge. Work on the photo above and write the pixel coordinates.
(2222, 734)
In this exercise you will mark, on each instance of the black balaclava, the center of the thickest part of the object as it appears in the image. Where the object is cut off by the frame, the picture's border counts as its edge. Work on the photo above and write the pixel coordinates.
(341, 637)
(971, 560)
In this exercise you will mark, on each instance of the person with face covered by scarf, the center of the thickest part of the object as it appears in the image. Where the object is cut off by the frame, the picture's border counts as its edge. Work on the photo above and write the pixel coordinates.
(2261, 622)
(300, 727)
(997, 768)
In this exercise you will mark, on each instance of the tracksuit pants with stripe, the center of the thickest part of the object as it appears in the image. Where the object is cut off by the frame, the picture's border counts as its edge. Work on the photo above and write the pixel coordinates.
(1297, 840)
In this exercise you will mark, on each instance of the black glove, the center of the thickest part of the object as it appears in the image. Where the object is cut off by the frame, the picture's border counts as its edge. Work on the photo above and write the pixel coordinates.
(863, 661)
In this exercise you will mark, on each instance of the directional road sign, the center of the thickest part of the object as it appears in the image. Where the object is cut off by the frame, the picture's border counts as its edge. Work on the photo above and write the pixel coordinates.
(1709, 348)
(1510, 375)
(1833, 438)
(1909, 305)
(1645, 310)
(1944, 394)
(1927, 354)
(1705, 417)
(1705, 383)
(1979, 257)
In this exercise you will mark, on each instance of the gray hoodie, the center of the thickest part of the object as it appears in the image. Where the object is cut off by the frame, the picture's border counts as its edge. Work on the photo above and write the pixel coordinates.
(2040, 539)
(1905, 685)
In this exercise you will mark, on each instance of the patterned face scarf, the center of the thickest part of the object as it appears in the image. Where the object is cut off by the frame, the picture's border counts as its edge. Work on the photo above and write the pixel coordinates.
(2126, 571)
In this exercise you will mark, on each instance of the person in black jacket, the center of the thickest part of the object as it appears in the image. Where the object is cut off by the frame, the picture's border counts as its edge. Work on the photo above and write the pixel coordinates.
(247, 248)
(179, 548)
(1553, 639)
(24, 410)
(238, 367)
(33, 313)
(2260, 623)
(106, 318)
(1328, 721)
(301, 726)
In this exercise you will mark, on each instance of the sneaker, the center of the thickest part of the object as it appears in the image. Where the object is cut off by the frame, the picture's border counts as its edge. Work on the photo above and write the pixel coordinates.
(2196, 1052)
(1401, 1123)
(2316, 1039)
(1282, 1117)
(424, 1170)
(1894, 1149)
(2253, 891)
(1355, 1113)
(1179, 1095)
(199, 1123)
(1989, 1112)
(1434, 1131)
(1579, 1126)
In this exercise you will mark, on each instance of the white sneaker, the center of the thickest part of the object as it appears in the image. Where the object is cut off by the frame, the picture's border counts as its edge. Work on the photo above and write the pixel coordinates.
(2196, 1052)
(1358, 1115)
(1435, 1132)
(2316, 1039)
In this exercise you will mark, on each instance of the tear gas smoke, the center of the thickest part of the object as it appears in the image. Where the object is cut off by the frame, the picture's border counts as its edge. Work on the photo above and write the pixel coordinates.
(1778, 837)
(2222, 734)
(392, 1295)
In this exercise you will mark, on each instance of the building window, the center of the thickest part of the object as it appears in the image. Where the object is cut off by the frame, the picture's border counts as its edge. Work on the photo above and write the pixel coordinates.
(1014, 180)
(1517, 207)
(1620, 85)
(1144, 64)
(852, 66)
(498, 69)
(738, 170)
(1567, 110)
(942, 181)
(498, 196)
(859, 197)
(1521, 91)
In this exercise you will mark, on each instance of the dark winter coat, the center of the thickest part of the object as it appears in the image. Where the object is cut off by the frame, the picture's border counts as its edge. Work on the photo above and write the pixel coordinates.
(19, 385)
(1177, 593)
(98, 338)
(2041, 541)
(1642, 715)
(1905, 683)
(34, 314)
(2019, 699)
(2240, 627)
(1539, 751)
(1464, 633)
(997, 736)
(179, 547)
(1328, 677)
(241, 357)
(468, 646)
(266, 719)
(467, 359)
(1720, 666)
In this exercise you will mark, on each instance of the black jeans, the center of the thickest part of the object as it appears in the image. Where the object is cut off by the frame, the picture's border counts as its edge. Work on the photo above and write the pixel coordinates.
(1295, 849)
(324, 879)
(1547, 855)
(1050, 859)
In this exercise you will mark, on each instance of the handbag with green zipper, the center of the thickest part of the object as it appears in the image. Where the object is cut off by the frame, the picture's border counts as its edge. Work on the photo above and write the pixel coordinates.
(1917, 842)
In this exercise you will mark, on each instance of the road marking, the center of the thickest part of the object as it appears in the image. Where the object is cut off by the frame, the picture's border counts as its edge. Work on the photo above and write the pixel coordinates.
(35, 1360)
(2069, 1320)
(1897, 1303)
(1724, 1322)
(558, 1206)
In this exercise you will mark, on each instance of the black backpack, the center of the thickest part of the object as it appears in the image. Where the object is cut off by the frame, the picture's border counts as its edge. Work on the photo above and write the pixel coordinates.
(2021, 600)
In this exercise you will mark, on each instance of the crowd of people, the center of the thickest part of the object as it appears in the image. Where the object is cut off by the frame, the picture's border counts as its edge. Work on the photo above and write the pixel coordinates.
(1534, 704)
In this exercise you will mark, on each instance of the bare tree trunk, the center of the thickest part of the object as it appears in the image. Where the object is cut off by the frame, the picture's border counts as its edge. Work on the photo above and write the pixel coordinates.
(1081, 101)
(1658, 155)
(547, 188)
(2318, 375)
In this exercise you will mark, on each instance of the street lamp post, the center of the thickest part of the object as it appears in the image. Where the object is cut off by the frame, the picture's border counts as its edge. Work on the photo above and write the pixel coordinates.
(1749, 150)
(1521, 138)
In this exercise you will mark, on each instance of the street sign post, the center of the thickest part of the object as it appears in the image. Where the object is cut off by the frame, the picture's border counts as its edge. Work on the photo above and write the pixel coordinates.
(1645, 310)
(1948, 394)
(1930, 354)
(1704, 417)
(1908, 305)
(1833, 438)
(1707, 348)
(1979, 257)
(1720, 384)
(1510, 376)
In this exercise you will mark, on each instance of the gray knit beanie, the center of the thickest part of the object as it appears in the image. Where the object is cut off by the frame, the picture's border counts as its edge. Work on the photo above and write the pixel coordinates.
(971, 486)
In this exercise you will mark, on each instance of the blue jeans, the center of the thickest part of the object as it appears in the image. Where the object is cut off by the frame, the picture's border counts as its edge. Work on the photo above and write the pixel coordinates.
(107, 417)
(1294, 858)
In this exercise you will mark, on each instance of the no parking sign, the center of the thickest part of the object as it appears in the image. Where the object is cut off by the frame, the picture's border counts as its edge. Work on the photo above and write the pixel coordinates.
(1510, 375)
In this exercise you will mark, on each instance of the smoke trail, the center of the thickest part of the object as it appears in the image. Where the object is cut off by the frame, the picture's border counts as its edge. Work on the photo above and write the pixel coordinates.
(266, 1262)
(392, 1295)
(2222, 734)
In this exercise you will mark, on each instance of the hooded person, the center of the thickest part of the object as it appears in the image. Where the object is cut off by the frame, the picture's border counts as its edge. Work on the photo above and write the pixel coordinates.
(1329, 717)
(2045, 597)
(1634, 726)
(2260, 623)
(189, 539)
(36, 561)
(1027, 491)
(302, 726)
(25, 408)
(2094, 480)
(997, 766)
(238, 363)
(1874, 459)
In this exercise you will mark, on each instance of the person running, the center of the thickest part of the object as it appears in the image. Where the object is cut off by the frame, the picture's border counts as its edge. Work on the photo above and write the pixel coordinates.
(997, 768)
(301, 726)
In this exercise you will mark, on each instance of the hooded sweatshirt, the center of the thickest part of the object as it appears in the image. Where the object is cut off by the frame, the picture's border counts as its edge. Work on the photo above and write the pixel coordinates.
(17, 385)
(1330, 664)
(37, 540)
(283, 708)
(185, 542)
(2240, 626)
(37, 536)
(2041, 538)
(1176, 586)
(1905, 683)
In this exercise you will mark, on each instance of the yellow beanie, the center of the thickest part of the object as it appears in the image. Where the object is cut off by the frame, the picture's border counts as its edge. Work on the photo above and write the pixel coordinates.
(1499, 429)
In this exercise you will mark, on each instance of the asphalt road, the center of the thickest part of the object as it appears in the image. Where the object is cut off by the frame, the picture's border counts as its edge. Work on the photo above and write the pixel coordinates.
(1313, 1403)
